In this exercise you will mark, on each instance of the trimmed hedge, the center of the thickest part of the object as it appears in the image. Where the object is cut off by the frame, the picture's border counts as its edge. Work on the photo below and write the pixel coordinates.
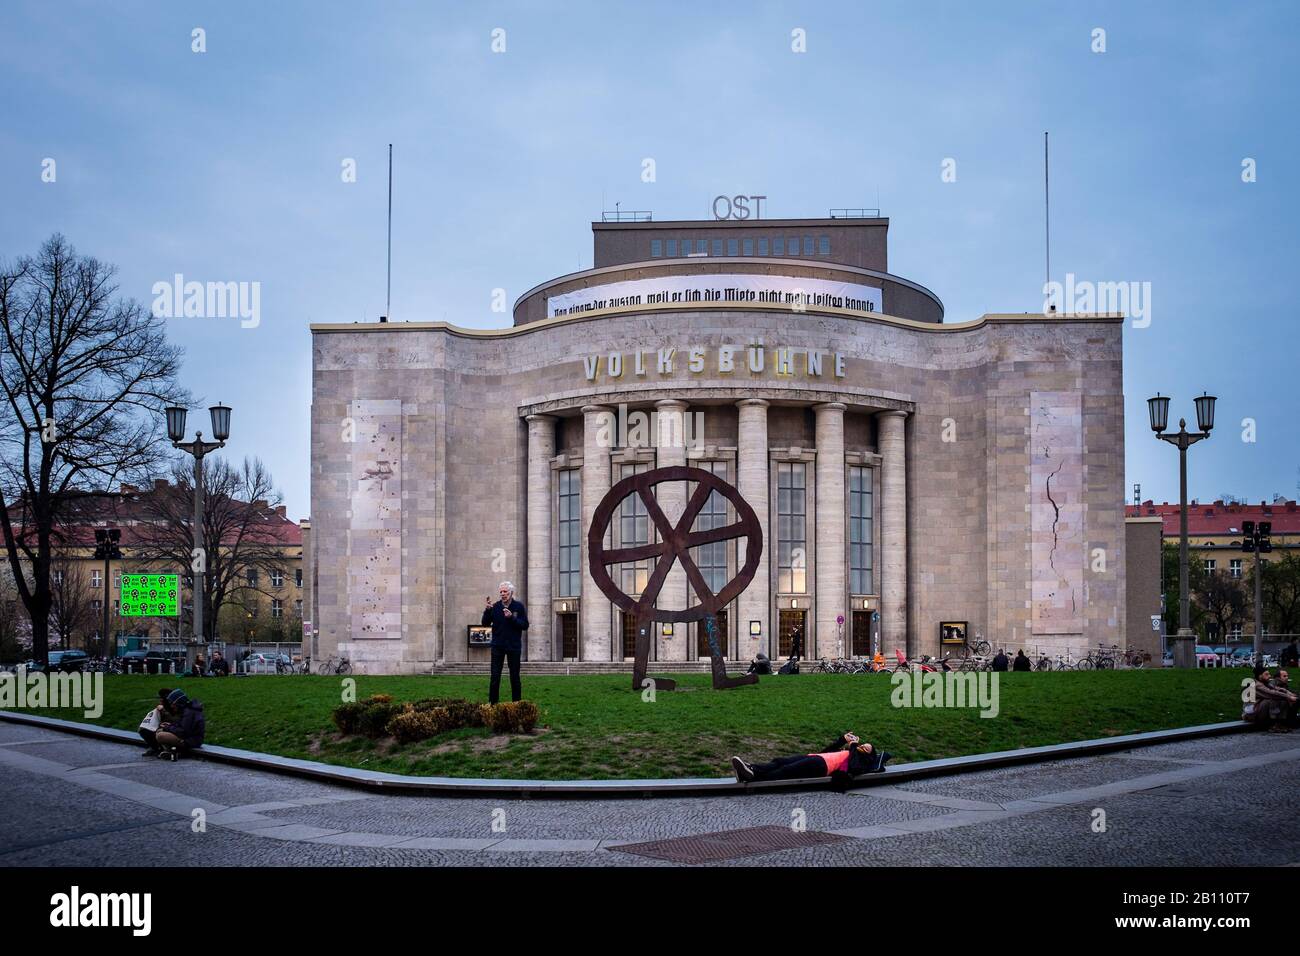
(379, 716)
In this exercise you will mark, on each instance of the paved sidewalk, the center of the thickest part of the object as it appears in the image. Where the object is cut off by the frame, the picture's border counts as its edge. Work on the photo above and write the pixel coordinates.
(1218, 801)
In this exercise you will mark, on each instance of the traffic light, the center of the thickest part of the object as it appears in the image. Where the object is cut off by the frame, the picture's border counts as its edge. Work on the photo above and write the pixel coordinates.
(1263, 531)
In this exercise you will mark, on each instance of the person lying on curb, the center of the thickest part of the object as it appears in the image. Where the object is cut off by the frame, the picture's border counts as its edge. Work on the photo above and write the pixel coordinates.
(846, 758)
(183, 726)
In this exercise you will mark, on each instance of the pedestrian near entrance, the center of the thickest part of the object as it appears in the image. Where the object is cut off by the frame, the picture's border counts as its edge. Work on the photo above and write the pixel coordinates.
(509, 620)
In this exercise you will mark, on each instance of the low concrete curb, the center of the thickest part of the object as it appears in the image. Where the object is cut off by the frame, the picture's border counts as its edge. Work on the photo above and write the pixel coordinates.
(686, 786)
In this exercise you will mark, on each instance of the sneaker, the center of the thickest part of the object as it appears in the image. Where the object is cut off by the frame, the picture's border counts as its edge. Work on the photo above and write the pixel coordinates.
(151, 752)
(880, 765)
(744, 772)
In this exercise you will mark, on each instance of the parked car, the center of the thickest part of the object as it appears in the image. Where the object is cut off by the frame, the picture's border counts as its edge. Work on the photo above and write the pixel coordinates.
(148, 662)
(1241, 657)
(68, 661)
(265, 663)
(1206, 657)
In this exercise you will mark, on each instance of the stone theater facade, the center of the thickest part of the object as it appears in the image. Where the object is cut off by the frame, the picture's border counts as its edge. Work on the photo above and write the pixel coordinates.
(915, 480)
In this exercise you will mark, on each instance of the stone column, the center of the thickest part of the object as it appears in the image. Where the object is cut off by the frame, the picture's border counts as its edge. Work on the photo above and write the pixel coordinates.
(597, 442)
(751, 481)
(537, 594)
(671, 495)
(830, 593)
(893, 535)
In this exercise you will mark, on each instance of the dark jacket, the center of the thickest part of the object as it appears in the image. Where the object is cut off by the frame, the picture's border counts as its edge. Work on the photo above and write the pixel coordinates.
(1021, 663)
(507, 632)
(219, 666)
(859, 763)
(1000, 662)
(189, 725)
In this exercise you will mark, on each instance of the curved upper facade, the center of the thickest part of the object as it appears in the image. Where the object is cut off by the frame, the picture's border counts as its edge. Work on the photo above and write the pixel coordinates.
(815, 264)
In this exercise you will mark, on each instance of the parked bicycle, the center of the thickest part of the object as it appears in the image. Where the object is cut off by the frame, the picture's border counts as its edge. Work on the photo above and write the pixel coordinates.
(336, 665)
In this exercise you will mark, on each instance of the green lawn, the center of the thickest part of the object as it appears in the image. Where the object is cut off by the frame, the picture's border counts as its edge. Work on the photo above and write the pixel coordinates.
(597, 727)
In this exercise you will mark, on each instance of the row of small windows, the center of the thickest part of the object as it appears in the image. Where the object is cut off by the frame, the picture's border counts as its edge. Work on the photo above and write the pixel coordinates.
(277, 607)
(97, 579)
(763, 246)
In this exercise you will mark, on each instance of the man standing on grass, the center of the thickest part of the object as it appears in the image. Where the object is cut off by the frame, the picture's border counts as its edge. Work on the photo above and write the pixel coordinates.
(509, 620)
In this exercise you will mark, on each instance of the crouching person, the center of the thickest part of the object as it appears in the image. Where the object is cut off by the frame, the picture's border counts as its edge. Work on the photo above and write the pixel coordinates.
(152, 723)
(844, 759)
(183, 726)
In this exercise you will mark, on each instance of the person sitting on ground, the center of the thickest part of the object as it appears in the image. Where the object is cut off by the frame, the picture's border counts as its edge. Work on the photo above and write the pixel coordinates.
(1000, 660)
(1290, 655)
(760, 665)
(878, 662)
(184, 725)
(1271, 703)
(1022, 662)
(200, 665)
(1283, 683)
(219, 667)
(845, 758)
(152, 723)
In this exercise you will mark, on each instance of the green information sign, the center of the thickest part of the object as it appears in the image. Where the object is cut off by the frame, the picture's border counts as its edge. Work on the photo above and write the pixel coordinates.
(150, 595)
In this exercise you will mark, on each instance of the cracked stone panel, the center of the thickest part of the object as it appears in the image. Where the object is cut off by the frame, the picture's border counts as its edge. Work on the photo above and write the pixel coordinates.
(1057, 542)
(374, 541)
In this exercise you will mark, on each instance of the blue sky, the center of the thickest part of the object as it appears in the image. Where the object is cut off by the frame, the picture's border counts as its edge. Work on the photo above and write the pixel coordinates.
(225, 166)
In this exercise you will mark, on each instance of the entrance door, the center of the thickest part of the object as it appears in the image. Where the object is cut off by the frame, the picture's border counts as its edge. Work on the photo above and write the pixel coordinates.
(628, 625)
(861, 633)
(787, 620)
(569, 637)
(702, 649)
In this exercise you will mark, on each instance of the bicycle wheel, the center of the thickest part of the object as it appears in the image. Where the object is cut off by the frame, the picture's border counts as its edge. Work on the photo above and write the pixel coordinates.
(1086, 664)
(1043, 665)
(982, 648)
(344, 668)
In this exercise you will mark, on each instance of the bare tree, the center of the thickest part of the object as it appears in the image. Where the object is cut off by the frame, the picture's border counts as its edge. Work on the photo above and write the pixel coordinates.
(84, 377)
(1281, 593)
(1223, 599)
(11, 619)
(71, 610)
(240, 534)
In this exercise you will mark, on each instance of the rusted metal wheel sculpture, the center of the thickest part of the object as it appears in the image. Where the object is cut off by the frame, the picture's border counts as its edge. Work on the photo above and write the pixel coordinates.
(675, 542)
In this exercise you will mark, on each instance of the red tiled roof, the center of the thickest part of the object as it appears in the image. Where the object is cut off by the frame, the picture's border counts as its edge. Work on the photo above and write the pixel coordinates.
(1217, 518)
(124, 510)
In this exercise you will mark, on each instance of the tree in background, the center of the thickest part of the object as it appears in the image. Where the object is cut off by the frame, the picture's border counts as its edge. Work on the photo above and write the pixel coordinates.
(12, 617)
(1223, 599)
(1281, 592)
(84, 379)
(240, 535)
(1196, 575)
(72, 615)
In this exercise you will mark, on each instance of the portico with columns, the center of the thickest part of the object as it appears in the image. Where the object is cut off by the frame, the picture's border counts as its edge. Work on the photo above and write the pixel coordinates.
(823, 437)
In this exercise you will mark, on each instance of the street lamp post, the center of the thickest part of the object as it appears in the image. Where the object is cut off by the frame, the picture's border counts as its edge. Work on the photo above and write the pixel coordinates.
(1158, 408)
(220, 415)
(107, 550)
(1257, 539)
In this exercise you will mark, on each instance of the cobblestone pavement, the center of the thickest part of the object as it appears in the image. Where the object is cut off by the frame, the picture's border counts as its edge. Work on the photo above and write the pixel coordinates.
(1220, 801)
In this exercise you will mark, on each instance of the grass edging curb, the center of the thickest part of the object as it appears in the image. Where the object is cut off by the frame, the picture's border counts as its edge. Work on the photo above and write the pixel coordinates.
(686, 786)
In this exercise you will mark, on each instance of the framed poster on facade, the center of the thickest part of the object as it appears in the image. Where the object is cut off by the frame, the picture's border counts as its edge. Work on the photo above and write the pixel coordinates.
(479, 635)
(952, 632)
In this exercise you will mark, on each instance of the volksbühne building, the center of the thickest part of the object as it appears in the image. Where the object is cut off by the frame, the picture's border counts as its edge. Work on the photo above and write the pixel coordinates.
(914, 479)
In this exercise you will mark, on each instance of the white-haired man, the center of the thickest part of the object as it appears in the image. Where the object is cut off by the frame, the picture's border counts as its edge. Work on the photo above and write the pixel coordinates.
(509, 620)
